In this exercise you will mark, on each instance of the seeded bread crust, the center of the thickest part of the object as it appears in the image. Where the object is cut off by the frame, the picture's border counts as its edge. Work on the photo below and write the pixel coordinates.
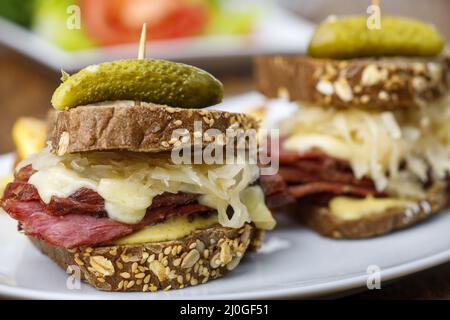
(385, 83)
(203, 255)
(144, 128)
(327, 224)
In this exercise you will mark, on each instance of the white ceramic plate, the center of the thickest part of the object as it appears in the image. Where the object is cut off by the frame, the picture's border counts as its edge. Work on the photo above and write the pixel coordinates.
(293, 262)
(276, 31)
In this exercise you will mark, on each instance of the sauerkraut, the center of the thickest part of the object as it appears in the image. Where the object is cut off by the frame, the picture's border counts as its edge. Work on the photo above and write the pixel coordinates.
(129, 181)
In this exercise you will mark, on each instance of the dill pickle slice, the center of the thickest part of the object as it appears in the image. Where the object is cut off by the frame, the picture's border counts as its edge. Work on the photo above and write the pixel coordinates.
(349, 37)
(157, 81)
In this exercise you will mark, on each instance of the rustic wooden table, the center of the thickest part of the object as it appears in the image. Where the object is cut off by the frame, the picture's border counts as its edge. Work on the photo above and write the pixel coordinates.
(26, 89)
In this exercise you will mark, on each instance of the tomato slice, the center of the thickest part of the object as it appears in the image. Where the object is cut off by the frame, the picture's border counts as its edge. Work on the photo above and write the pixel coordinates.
(119, 21)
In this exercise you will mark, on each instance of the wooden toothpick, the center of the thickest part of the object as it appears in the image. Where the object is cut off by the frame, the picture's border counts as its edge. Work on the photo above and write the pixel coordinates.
(142, 47)
(376, 2)
(142, 42)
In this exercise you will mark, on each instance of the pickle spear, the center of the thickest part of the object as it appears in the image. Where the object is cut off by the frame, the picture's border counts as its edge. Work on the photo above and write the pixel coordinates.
(157, 81)
(349, 37)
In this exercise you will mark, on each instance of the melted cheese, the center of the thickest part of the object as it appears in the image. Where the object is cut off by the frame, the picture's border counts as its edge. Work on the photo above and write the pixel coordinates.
(348, 208)
(172, 229)
(253, 198)
(330, 145)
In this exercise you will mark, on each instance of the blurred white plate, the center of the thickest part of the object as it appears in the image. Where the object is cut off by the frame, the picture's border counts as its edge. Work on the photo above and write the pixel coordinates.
(277, 31)
(293, 262)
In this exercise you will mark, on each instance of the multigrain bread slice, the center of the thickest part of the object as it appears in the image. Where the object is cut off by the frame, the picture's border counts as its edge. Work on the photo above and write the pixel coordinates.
(384, 83)
(321, 219)
(204, 255)
(144, 128)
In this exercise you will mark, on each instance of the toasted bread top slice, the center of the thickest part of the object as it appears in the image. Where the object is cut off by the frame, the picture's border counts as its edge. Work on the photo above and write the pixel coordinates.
(384, 83)
(145, 128)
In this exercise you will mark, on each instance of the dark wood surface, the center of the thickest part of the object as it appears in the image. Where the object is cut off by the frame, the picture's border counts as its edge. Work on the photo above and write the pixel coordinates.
(26, 89)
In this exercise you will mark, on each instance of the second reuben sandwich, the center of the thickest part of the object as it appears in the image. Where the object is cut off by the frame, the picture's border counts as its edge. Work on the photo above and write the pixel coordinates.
(107, 197)
(367, 149)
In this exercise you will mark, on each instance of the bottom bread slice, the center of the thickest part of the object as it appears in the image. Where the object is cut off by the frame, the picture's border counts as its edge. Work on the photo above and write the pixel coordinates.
(322, 220)
(203, 255)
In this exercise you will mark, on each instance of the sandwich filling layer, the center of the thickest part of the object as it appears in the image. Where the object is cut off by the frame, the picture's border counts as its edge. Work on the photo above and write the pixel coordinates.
(327, 152)
(96, 198)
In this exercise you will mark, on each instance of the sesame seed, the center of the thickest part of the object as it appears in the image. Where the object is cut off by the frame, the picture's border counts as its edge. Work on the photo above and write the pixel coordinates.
(365, 98)
(142, 269)
(153, 288)
(147, 279)
(176, 262)
(325, 87)
(193, 245)
(125, 275)
(382, 95)
(140, 275)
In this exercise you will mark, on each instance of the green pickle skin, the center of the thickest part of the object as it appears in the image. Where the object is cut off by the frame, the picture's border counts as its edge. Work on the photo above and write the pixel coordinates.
(348, 38)
(150, 80)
